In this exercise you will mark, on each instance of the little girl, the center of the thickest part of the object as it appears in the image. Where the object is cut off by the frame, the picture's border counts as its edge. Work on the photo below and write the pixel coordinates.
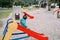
(23, 20)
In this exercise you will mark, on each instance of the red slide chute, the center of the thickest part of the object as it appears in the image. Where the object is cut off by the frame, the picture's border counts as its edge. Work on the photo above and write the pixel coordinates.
(32, 33)
(28, 15)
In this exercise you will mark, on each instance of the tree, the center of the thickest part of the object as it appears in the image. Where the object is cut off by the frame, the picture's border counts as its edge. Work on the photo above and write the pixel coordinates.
(59, 3)
(35, 2)
(6, 3)
(56, 1)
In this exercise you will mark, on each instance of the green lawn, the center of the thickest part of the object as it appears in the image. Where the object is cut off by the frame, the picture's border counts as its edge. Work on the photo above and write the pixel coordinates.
(4, 12)
(1, 23)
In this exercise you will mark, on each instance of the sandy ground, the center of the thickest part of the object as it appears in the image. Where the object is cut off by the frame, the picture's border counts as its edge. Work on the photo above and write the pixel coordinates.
(43, 22)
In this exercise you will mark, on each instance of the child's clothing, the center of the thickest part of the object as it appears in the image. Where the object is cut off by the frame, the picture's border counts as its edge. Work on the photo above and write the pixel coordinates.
(23, 22)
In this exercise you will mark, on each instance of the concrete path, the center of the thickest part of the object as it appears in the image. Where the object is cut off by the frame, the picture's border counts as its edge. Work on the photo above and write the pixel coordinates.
(46, 23)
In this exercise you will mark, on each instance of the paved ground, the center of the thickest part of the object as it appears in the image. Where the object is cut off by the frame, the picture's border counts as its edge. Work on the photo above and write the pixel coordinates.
(44, 22)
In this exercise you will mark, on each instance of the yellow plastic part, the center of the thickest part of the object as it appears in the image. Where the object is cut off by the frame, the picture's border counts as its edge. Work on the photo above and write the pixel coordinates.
(23, 10)
(0, 38)
(11, 28)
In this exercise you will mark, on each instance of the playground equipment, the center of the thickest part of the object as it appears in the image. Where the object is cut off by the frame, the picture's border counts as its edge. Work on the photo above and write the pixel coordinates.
(17, 10)
(17, 16)
(23, 11)
(56, 12)
(8, 31)
(32, 33)
(56, 9)
(12, 26)
(16, 26)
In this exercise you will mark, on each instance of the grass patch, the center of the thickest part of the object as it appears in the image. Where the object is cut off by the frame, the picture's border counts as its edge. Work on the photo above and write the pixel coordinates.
(4, 12)
(1, 24)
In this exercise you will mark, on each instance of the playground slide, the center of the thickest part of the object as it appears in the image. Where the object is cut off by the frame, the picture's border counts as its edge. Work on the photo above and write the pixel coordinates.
(32, 33)
(56, 9)
(27, 13)
(9, 29)
(5, 33)
(31, 17)
(13, 27)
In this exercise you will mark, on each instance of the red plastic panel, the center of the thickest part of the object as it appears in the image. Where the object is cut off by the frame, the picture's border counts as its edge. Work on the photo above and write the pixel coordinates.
(28, 15)
(32, 33)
